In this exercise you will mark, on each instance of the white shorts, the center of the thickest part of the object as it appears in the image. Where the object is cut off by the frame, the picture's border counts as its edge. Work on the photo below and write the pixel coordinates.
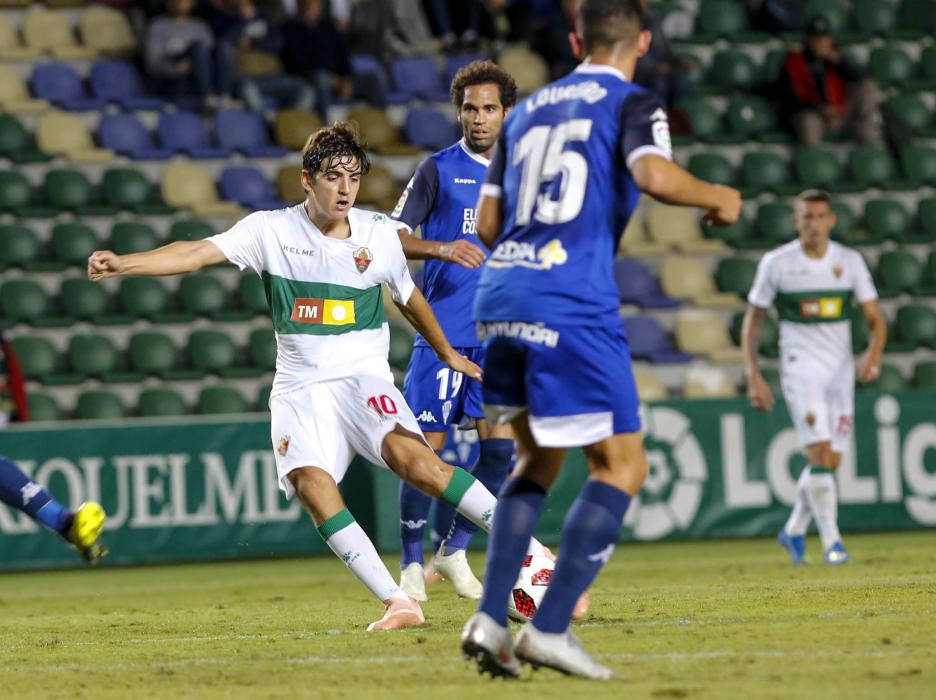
(821, 401)
(325, 424)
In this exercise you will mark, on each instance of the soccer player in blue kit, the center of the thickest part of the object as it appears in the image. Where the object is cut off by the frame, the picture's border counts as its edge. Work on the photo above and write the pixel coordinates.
(569, 167)
(440, 200)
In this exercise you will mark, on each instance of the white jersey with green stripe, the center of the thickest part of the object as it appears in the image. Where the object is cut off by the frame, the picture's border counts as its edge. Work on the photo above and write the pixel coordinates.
(324, 293)
(814, 299)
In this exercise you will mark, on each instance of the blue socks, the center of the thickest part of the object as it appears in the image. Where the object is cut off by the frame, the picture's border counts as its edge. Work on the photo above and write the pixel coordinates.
(518, 510)
(414, 509)
(492, 468)
(592, 528)
(442, 518)
(21, 492)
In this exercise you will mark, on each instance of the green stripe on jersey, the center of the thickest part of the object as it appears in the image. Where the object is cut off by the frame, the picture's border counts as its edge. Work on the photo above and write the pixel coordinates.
(316, 308)
(815, 306)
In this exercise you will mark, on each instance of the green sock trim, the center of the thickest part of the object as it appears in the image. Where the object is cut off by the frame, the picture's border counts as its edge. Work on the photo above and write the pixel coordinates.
(339, 521)
(458, 486)
(821, 470)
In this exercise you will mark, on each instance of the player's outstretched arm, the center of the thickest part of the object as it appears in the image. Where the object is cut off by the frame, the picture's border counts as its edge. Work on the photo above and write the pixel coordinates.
(173, 259)
(869, 367)
(418, 312)
(670, 183)
(758, 391)
(461, 252)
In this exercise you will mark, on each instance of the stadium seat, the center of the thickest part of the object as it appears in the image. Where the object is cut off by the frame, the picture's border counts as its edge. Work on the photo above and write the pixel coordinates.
(190, 230)
(48, 31)
(186, 133)
(689, 279)
(818, 167)
(638, 285)
(733, 70)
(884, 219)
(146, 297)
(416, 77)
(249, 187)
(73, 243)
(19, 246)
(919, 165)
(202, 294)
(844, 222)
(99, 405)
(211, 351)
(916, 324)
(17, 145)
(160, 402)
(913, 112)
(68, 189)
(38, 359)
(430, 129)
(288, 184)
(15, 191)
(724, 19)
(833, 10)
(67, 135)
(221, 399)
(188, 186)
(14, 94)
(262, 348)
(455, 62)
(24, 301)
(246, 131)
(703, 118)
(736, 275)
(118, 82)
(263, 399)
(150, 352)
(106, 31)
(928, 281)
(871, 167)
(43, 408)
(890, 66)
(753, 117)
(363, 64)
(679, 228)
(59, 84)
(873, 17)
(294, 126)
(703, 382)
(83, 299)
(92, 355)
(127, 188)
(648, 340)
(132, 237)
(891, 379)
(713, 168)
(768, 341)
(767, 171)
(252, 295)
(928, 68)
(11, 49)
(379, 133)
(704, 333)
(635, 241)
(924, 375)
(125, 134)
(379, 188)
(775, 223)
(527, 67)
(915, 19)
(734, 235)
(649, 386)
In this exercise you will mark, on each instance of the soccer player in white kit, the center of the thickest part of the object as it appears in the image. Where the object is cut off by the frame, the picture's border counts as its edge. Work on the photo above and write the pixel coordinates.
(812, 281)
(323, 263)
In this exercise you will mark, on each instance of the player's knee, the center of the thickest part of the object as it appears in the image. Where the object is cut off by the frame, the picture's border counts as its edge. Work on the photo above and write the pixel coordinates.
(308, 481)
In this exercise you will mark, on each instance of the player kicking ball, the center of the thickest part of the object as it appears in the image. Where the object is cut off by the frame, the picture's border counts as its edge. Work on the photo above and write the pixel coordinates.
(323, 263)
(812, 281)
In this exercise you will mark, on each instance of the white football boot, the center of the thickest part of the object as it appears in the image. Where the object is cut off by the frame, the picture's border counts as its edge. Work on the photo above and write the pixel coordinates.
(455, 568)
(489, 644)
(413, 582)
(562, 652)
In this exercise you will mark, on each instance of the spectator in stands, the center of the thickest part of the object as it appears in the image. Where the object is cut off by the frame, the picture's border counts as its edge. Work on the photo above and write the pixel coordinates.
(662, 70)
(13, 406)
(253, 42)
(545, 26)
(317, 52)
(179, 54)
(473, 15)
(820, 91)
(776, 15)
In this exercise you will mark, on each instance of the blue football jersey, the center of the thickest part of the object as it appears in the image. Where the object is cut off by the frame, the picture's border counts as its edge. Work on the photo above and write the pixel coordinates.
(561, 168)
(441, 199)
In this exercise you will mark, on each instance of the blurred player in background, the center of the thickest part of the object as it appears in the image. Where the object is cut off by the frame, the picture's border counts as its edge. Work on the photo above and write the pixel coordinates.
(813, 281)
(440, 200)
(565, 177)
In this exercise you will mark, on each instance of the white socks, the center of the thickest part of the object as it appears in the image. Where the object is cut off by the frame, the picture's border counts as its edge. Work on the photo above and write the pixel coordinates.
(798, 522)
(823, 499)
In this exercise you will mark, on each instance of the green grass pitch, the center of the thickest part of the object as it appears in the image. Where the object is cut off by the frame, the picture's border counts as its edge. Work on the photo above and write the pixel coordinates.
(718, 619)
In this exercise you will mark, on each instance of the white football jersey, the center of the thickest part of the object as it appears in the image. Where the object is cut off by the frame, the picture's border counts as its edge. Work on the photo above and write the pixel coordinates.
(324, 293)
(814, 299)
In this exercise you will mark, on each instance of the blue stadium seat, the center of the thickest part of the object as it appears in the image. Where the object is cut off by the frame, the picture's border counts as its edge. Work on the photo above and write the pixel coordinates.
(649, 341)
(248, 186)
(246, 131)
(638, 285)
(125, 134)
(417, 77)
(430, 129)
(61, 85)
(362, 64)
(185, 132)
(454, 63)
(120, 83)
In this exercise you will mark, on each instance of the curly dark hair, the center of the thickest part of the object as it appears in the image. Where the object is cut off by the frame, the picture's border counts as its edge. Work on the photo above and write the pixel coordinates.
(330, 146)
(480, 72)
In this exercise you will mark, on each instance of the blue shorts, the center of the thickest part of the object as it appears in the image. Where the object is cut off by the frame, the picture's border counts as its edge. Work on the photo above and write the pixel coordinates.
(438, 396)
(576, 381)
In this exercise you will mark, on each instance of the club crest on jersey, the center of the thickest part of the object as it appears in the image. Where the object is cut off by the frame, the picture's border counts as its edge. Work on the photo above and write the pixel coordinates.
(811, 420)
(282, 446)
(837, 271)
(362, 259)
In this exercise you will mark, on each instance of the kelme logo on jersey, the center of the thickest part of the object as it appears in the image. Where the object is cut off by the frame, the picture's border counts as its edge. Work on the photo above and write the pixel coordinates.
(826, 307)
(324, 312)
(362, 259)
(520, 254)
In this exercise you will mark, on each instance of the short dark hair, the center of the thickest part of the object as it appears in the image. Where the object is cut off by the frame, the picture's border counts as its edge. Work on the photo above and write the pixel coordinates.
(606, 22)
(479, 73)
(339, 142)
(814, 196)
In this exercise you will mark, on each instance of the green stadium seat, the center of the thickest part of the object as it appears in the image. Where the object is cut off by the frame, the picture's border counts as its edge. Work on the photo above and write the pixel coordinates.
(92, 355)
(152, 353)
(17, 144)
(159, 402)
(928, 66)
(15, 191)
(211, 351)
(252, 295)
(775, 223)
(99, 405)
(401, 346)
(704, 119)
(912, 110)
(67, 190)
(916, 324)
(891, 379)
(898, 272)
(73, 243)
(263, 400)
(924, 375)
(890, 66)
(712, 168)
(735, 275)
(874, 17)
(190, 230)
(833, 10)
(147, 297)
(723, 19)
(767, 171)
(202, 294)
(753, 117)
(43, 408)
(928, 282)
(926, 215)
(221, 399)
(915, 19)
(870, 167)
(125, 188)
(884, 219)
(919, 165)
(40, 361)
(24, 301)
(819, 167)
(262, 348)
(19, 246)
(733, 70)
(84, 299)
(768, 344)
(734, 235)
(132, 237)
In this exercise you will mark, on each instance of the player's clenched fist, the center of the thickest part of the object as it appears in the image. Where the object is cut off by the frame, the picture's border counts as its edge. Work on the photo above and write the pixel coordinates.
(759, 393)
(103, 263)
(728, 209)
